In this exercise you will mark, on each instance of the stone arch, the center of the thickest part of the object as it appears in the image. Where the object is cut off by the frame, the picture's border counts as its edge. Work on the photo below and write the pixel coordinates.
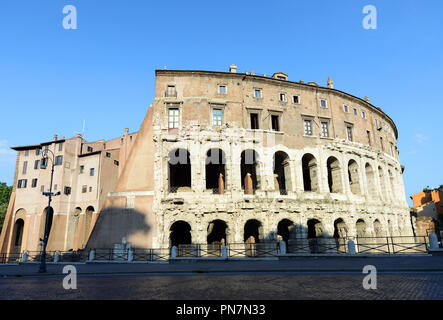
(248, 166)
(370, 179)
(179, 173)
(378, 229)
(392, 183)
(217, 232)
(340, 229)
(282, 172)
(253, 231)
(361, 228)
(215, 169)
(381, 176)
(180, 233)
(354, 177)
(334, 175)
(310, 173)
(286, 230)
(17, 235)
(315, 229)
(50, 214)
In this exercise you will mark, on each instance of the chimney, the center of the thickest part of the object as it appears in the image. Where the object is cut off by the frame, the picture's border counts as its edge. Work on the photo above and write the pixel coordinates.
(246, 72)
(366, 99)
(330, 83)
(252, 73)
(126, 131)
(233, 68)
(55, 137)
(301, 81)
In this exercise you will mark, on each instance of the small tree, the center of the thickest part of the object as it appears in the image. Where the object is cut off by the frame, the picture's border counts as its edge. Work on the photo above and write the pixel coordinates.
(5, 195)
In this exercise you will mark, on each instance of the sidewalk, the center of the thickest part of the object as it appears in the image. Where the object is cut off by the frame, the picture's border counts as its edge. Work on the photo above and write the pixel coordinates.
(301, 264)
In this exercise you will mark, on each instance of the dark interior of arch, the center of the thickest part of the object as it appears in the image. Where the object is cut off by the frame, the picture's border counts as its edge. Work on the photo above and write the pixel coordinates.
(217, 232)
(179, 169)
(249, 165)
(215, 165)
(252, 229)
(180, 234)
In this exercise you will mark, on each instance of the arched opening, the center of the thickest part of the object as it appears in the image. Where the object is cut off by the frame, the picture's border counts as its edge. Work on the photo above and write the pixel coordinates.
(179, 175)
(18, 235)
(378, 229)
(392, 182)
(334, 175)
(253, 231)
(215, 170)
(180, 234)
(286, 230)
(249, 162)
(340, 229)
(282, 172)
(217, 233)
(381, 176)
(310, 176)
(315, 231)
(370, 178)
(361, 228)
(340, 234)
(354, 177)
(50, 214)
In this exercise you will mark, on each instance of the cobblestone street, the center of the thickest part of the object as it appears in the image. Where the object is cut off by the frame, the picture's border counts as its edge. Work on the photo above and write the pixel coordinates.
(265, 286)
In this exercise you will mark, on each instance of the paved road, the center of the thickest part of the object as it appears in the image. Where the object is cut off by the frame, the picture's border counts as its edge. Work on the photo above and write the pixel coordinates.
(260, 286)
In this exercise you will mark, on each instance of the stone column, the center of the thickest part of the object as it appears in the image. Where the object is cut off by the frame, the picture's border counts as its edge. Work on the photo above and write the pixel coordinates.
(248, 184)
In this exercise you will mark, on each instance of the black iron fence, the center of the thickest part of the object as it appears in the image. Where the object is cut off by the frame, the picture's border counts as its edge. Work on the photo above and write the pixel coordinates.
(330, 245)
(392, 245)
(317, 246)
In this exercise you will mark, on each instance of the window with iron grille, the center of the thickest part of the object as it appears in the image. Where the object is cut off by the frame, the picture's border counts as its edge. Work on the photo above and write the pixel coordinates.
(222, 89)
(308, 127)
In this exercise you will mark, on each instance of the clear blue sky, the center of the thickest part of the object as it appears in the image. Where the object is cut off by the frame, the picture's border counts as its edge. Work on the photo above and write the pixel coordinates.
(51, 79)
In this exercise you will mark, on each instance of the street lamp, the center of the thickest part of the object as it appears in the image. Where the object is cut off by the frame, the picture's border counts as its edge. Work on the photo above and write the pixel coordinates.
(43, 165)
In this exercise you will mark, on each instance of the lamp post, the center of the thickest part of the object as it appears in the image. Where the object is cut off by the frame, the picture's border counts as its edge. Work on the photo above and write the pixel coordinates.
(43, 165)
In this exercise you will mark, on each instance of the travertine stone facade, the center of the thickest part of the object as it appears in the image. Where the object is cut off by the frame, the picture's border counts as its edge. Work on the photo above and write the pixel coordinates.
(323, 164)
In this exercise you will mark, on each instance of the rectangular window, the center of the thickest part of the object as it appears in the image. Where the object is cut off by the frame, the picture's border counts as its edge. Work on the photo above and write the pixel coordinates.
(323, 103)
(22, 184)
(363, 115)
(392, 149)
(90, 149)
(275, 123)
(67, 191)
(217, 117)
(296, 99)
(368, 134)
(84, 189)
(36, 164)
(92, 172)
(55, 187)
(345, 108)
(90, 189)
(34, 183)
(42, 189)
(254, 121)
(376, 123)
(171, 92)
(26, 153)
(60, 147)
(222, 89)
(349, 132)
(308, 128)
(58, 160)
(324, 129)
(44, 163)
(257, 93)
(173, 118)
(381, 144)
(25, 167)
(38, 152)
(355, 112)
(82, 169)
(283, 97)
(108, 154)
(116, 162)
